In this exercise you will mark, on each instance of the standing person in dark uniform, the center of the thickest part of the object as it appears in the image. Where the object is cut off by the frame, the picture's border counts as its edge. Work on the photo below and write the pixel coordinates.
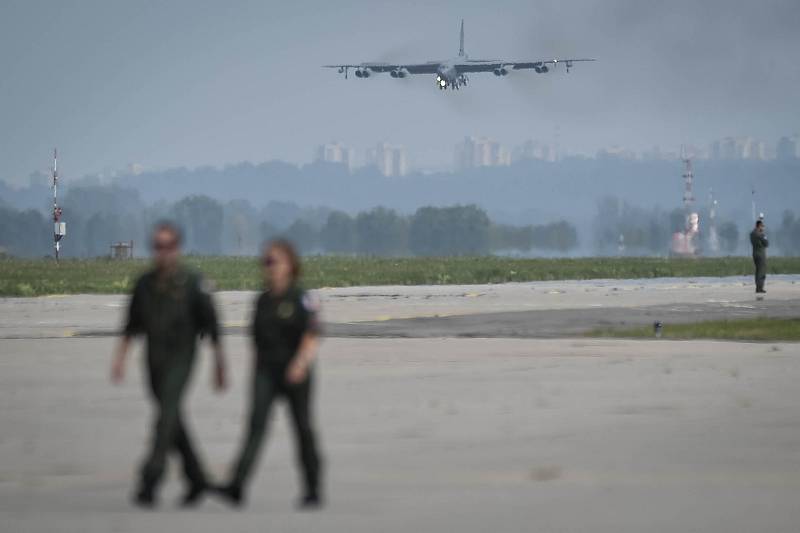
(171, 306)
(760, 243)
(285, 331)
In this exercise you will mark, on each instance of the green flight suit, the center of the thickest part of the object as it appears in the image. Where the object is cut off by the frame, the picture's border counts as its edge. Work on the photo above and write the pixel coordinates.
(171, 311)
(279, 324)
(760, 244)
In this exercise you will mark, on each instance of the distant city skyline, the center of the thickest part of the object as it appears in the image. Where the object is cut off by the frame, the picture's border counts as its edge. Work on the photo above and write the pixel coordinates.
(475, 151)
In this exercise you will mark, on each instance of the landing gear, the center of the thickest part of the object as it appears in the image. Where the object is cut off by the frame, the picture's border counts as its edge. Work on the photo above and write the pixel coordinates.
(454, 85)
(460, 81)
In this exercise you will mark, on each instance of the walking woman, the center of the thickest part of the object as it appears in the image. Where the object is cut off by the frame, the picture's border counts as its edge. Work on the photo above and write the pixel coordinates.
(286, 332)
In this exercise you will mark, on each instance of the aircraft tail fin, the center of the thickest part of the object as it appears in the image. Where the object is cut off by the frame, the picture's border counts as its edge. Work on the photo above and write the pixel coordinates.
(461, 41)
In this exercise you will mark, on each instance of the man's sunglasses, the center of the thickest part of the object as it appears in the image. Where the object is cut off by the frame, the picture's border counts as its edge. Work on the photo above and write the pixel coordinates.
(164, 246)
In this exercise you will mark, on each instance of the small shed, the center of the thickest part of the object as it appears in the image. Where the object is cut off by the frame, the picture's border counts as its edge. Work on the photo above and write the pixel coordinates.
(122, 250)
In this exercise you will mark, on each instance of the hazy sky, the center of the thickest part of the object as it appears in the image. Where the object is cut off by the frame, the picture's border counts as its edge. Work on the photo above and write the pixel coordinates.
(189, 83)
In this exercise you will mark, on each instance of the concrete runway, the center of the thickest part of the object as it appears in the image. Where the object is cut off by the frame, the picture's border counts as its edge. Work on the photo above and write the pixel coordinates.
(539, 309)
(435, 433)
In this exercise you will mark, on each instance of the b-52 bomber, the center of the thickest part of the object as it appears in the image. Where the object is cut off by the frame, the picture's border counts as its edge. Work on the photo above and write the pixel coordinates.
(452, 73)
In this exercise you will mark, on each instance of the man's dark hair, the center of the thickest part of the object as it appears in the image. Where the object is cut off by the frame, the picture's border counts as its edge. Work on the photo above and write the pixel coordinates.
(759, 223)
(168, 225)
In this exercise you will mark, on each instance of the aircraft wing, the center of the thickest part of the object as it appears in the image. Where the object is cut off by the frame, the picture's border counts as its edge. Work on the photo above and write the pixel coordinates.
(492, 65)
(412, 68)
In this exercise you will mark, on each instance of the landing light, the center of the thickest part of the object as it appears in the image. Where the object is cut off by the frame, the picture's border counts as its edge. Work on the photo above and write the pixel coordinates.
(442, 83)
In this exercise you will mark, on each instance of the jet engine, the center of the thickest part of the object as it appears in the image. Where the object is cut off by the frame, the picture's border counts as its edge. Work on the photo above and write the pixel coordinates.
(501, 70)
(401, 72)
(541, 68)
(362, 73)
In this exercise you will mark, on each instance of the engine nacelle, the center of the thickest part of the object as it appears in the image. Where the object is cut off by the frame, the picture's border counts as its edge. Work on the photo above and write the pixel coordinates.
(541, 68)
(501, 71)
(399, 73)
(362, 73)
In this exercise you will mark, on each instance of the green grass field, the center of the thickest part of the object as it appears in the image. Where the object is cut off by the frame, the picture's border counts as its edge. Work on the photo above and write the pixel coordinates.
(20, 277)
(751, 329)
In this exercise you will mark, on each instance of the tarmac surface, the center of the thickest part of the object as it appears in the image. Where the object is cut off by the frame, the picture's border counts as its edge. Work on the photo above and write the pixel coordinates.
(426, 424)
(535, 310)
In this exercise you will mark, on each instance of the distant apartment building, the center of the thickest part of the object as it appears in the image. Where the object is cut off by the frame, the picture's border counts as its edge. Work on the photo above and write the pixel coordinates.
(724, 148)
(738, 148)
(481, 152)
(135, 169)
(685, 150)
(616, 152)
(534, 150)
(788, 148)
(334, 153)
(750, 148)
(390, 160)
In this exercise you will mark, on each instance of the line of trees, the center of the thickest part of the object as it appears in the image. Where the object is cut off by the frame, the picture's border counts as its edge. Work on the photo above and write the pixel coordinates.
(430, 231)
(787, 235)
(97, 216)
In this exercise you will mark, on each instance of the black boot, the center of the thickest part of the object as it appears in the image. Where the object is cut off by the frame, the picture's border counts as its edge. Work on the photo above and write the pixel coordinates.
(145, 498)
(232, 494)
(310, 501)
(194, 495)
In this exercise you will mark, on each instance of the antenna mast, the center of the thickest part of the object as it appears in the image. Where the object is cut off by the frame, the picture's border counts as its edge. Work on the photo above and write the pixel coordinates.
(683, 242)
(688, 180)
(59, 228)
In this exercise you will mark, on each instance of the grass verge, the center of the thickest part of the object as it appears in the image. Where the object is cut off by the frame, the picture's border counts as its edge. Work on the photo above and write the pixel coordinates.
(749, 329)
(24, 277)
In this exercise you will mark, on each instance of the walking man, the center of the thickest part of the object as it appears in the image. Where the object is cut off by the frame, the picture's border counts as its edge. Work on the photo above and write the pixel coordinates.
(760, 243)
(171, 307)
